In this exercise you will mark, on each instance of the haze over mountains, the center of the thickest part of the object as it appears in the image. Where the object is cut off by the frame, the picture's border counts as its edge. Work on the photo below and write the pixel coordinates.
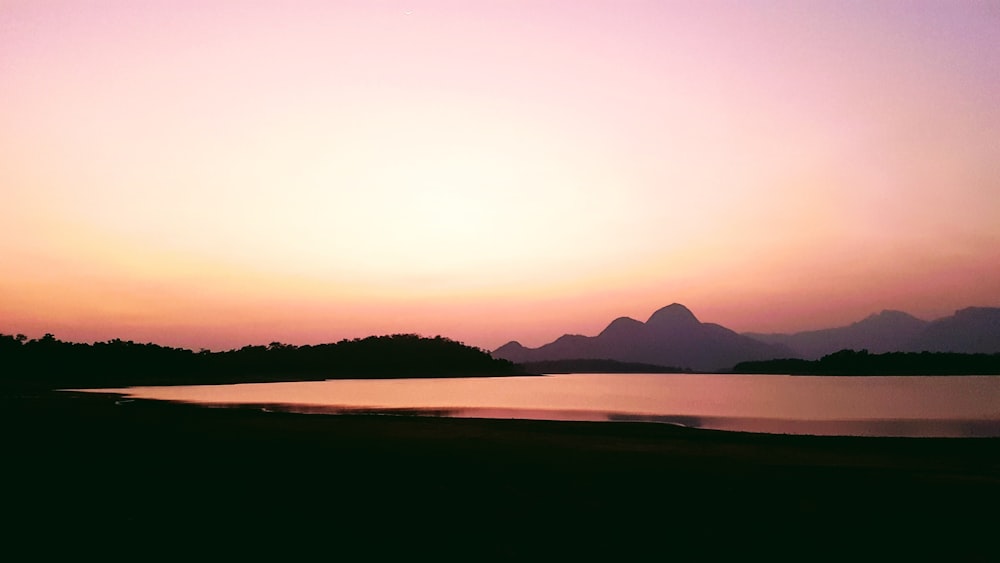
(674, 336)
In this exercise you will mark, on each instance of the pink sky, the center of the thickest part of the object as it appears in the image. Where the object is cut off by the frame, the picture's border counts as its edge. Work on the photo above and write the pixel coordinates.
(212, 174)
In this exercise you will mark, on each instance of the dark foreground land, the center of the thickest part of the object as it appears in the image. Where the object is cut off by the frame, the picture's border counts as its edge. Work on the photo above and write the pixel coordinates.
(169, 476)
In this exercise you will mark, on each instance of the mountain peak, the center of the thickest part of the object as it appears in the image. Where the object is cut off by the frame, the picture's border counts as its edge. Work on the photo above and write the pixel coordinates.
(890, 315)
(512, 345)
(889, 320)
(625, 327)
(675, 313)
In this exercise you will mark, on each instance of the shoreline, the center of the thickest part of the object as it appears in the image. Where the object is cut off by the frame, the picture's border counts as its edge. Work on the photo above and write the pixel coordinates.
(948, 428)
(506, 487)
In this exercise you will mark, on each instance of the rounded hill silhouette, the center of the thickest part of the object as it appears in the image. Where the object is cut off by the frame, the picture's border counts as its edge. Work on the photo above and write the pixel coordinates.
(672, 336)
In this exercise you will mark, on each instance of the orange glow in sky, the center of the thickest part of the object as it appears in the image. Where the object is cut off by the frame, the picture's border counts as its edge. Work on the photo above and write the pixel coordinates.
(217, 174)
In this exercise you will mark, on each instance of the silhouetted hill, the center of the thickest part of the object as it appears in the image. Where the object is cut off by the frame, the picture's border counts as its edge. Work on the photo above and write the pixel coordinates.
(49, 362)
(672, 336)
(970, 330)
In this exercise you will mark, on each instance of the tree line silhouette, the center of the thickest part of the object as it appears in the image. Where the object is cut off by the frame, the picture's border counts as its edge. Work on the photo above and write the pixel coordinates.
(851, 362)
(50, 362)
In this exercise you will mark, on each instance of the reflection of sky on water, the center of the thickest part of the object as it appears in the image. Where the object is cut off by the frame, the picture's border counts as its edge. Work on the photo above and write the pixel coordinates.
(877, 406)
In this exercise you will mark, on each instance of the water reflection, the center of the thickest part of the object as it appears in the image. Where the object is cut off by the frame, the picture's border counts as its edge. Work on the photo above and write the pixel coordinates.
(868, 406)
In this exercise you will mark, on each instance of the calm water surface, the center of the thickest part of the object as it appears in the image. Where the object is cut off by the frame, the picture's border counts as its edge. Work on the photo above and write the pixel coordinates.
(859, 406)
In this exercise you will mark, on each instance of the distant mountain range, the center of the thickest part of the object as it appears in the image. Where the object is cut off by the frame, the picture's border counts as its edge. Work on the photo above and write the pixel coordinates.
(673, 336)
(972, 330)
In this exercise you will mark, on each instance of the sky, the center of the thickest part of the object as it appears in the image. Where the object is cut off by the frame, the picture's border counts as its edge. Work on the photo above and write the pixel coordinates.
(214, 174)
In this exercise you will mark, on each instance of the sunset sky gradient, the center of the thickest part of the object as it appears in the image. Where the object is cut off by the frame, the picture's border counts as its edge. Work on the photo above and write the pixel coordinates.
(214, 174)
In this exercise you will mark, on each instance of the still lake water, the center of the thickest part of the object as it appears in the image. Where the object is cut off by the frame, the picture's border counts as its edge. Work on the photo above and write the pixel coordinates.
(953, 406)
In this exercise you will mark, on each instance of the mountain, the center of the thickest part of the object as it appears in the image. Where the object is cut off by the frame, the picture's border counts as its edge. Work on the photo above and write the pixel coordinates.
(888, 331)
(671, 336)
(595, 366)
(973, 330)
(970, 330)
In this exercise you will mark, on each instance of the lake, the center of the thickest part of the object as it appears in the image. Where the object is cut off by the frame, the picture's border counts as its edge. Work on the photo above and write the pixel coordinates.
(953, 406)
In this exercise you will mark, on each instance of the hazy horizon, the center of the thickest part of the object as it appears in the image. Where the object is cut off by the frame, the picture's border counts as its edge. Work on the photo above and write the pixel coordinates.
(231, 173)
(233, 344)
